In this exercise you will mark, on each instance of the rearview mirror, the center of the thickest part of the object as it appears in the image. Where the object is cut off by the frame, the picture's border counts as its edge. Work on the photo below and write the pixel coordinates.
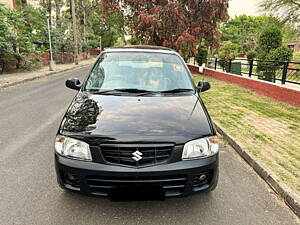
(203, 86)
(73, 83)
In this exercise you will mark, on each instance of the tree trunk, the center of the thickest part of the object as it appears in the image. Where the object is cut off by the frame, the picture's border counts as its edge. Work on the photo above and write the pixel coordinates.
(58, 5)
(18, 64)
(49, 10)
(84, 26)
(74, 31)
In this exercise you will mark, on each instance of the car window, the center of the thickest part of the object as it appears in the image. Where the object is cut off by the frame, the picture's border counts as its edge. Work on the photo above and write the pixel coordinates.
(139, 70)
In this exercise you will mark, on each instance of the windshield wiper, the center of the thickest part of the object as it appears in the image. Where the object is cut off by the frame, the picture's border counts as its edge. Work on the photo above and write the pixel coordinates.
(133, 90)
(116, 91)
(137, 91)
(178, 90)
(97, 91)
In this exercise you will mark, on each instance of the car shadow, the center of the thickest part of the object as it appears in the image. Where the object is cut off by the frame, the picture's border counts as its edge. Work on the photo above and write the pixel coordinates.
(131, 198)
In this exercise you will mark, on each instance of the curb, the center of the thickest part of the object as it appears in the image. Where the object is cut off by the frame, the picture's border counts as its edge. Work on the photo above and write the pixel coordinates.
(289, 198)
(40, 76)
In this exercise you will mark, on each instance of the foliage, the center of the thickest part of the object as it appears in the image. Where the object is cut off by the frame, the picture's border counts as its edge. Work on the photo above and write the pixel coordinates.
(283, 53)
(296, 57)
(109, 29)
(6, 49)
(291, 32)
(178, 24)
(270, 38)
(201, 55)
(15, 39)
(270, 49)
(35, 25)
(228, 51)
(134, 41)
(244, 30)
(90, 44)
(288, 10)
(251, 55)
(24, 31)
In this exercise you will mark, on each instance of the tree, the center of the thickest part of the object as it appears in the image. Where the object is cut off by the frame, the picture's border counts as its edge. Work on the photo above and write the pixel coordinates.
(6, 48)
(178, 24)
(58, 11)
(244, 30)
(108, 29)
(270, 38)
(272, 53)
(228, 51)
(90, 23)
(282, 54)
(201, 56)
(35, 25)
(291, 32)
(15, 38)
(288, 10)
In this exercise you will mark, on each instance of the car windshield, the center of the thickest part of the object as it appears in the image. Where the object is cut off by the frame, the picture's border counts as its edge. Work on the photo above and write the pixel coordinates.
(155, 72)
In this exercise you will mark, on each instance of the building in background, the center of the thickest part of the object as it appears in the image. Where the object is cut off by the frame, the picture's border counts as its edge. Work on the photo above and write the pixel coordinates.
(9, 3)
(294, 45)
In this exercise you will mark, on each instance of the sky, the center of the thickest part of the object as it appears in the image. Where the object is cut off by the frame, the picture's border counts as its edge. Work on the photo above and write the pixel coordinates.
(239, 7)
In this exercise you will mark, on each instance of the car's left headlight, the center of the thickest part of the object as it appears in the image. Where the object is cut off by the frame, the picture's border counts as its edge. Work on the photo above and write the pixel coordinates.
(72, 148)
(200, 148)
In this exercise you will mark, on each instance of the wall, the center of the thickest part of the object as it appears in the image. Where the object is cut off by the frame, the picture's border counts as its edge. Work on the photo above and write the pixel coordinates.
(193, 69)
(61, 58)
(278, 92)
(95, 52)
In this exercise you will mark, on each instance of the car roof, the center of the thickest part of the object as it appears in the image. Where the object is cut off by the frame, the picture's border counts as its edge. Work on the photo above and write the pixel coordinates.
(141, 48)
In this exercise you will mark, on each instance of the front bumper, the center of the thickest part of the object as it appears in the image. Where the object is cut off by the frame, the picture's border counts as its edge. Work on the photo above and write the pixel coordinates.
(174, 179)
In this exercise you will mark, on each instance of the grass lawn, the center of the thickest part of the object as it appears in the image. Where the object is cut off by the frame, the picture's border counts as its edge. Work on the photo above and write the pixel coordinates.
(270, 130)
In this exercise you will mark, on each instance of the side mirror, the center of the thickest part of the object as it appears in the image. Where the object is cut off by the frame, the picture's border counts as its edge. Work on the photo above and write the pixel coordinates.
(73, 84)
(203, 86)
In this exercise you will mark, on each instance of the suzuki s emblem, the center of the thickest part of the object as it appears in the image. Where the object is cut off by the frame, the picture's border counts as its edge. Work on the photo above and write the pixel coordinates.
(137, 156)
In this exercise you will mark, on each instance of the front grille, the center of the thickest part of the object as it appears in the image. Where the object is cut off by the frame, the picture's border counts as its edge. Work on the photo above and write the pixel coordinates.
(149, 154)
(171, 185)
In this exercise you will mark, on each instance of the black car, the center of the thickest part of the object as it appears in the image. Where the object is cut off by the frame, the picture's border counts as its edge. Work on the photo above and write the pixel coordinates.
(137, 122)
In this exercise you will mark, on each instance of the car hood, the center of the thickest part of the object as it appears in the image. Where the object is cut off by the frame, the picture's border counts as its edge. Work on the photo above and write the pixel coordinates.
(108, 118)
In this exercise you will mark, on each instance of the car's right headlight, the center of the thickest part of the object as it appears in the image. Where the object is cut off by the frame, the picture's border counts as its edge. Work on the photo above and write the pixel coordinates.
(72, 148)
(200, 148)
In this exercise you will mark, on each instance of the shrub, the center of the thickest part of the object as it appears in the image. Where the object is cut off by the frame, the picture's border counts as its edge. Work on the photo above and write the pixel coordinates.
(282, 53)
(134, 40)
(228, 51)
(201, 56)
(251, 55)
(270, 48)
(270, 38)
(90, 44)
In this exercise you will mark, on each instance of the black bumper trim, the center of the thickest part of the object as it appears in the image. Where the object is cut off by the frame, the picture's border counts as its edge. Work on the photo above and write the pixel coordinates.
(175, 179)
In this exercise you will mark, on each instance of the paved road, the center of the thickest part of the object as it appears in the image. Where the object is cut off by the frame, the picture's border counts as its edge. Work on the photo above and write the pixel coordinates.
(29, 117)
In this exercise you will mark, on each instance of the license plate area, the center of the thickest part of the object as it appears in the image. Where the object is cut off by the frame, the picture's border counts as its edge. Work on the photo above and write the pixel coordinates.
(137, 193)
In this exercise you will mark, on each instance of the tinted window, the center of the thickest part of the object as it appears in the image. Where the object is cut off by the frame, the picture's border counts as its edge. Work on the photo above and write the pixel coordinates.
(139, 70)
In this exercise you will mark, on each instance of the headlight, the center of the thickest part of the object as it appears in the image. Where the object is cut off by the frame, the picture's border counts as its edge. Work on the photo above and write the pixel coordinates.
(201, 148)
(73, 148)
